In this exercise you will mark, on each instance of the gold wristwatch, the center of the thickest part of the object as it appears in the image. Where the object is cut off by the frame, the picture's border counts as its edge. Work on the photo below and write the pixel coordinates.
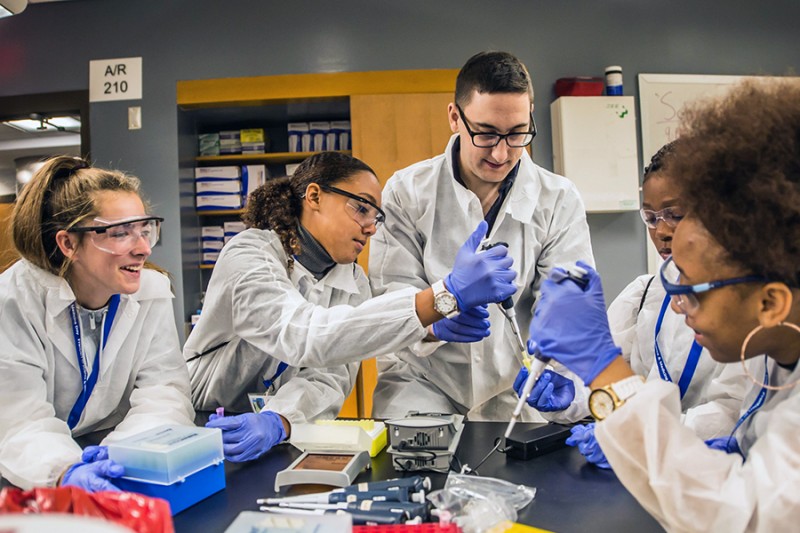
(605, 400)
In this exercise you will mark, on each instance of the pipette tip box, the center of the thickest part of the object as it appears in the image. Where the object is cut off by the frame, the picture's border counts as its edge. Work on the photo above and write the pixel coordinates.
(341, 435)
(182, 464)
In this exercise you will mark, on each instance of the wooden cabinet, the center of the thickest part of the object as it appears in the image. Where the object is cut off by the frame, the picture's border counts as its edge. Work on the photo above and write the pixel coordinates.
(397, 118)
(8, 254)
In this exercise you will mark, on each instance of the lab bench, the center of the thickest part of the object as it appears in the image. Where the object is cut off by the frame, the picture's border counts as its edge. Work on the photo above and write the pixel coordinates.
(571, 495)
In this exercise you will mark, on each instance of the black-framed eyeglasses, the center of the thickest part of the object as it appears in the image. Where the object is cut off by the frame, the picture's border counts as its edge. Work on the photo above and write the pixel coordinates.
(515, 139)
(685, 296)
(361, 210)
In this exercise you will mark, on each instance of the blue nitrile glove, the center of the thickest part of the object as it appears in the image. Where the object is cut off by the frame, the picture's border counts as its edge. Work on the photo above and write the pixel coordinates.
(94, 453)
(248, 436)
(481, 277)
(552, 392)
(726, 444)
(571, 326)
(93, 477)
(471, 325)
(583, 437)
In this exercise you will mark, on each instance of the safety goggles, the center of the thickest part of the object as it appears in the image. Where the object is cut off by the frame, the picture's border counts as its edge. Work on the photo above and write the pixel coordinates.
(685, 296)
(670, 215)
(364, 212)
(120, 236)
(515, 139)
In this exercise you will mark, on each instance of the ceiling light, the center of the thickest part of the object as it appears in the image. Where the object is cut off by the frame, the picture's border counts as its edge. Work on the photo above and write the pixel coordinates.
(12, 7)
(41, 124)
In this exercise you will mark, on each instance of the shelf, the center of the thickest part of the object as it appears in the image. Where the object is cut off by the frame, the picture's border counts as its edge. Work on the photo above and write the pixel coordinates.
(206, 267)
(272, 157)
(218, 212)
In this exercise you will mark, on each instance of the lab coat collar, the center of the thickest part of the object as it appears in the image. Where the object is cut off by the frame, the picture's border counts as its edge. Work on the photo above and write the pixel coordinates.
(340, 277)
(522, 198)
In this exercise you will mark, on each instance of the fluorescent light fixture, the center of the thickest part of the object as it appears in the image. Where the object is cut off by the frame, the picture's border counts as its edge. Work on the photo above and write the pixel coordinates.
(12, 7)
(43, 124)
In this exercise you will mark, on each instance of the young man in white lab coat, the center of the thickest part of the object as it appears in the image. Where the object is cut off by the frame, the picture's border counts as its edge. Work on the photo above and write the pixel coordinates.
(485, 173)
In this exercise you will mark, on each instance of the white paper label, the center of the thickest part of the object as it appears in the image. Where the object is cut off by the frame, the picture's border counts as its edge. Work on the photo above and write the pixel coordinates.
(115, 79)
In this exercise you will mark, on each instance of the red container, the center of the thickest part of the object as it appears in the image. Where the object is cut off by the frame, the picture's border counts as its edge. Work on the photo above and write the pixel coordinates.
(580, 86)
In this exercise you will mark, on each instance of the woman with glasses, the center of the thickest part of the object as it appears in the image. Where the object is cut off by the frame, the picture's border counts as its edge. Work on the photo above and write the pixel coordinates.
(288, 314)
(654, 339)
(738, 174)
(89, 338)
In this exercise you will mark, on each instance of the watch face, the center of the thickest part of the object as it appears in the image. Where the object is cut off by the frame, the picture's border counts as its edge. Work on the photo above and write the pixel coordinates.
(445, 303)
(601, 404)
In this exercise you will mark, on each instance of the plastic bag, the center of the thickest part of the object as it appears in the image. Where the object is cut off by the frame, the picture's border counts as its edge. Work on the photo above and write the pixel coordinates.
(477, 503)
(139, 513)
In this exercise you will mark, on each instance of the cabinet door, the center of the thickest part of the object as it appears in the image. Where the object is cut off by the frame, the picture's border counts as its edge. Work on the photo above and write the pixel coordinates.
(391, 132)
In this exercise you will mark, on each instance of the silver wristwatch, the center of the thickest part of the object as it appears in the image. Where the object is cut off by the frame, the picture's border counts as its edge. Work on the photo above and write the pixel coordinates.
(443, 300)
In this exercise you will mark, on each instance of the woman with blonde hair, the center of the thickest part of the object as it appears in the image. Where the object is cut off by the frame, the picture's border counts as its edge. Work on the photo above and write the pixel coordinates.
(89, 341)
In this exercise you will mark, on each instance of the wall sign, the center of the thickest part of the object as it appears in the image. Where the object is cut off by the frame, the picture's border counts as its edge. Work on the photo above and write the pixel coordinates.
(115, 79)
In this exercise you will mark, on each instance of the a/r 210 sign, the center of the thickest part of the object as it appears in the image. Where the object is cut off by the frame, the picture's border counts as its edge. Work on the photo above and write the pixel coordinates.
(115, 79)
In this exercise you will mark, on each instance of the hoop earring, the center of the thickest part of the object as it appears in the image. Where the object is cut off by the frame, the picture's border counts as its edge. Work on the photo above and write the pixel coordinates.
(744, 365)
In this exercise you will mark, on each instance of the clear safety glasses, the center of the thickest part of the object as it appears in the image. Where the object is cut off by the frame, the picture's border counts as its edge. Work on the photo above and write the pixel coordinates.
(670, 215)
(360, 209)
(515, 139)
(685, 296)
(119, 237)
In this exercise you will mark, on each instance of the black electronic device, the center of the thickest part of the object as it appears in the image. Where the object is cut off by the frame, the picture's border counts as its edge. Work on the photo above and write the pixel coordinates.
(531, 442)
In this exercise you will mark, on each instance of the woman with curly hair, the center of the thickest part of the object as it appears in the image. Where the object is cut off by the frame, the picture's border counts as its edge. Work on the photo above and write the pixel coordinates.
(288, 312)
(737, 252)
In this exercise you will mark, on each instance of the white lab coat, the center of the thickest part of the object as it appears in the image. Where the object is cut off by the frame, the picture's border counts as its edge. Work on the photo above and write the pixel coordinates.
(688, 487)
(143, 381)
(262, 315)
(714, 398)
(429, 215)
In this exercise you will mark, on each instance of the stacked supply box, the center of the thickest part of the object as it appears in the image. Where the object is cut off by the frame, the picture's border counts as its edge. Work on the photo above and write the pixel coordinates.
(253, 177)
(181, 464)
(231, 229)
(212, 241)
(218, 187)
(230, 142)
(208, 144)
(319, 135)
(339, 136)
(299, 137)
(253, 141)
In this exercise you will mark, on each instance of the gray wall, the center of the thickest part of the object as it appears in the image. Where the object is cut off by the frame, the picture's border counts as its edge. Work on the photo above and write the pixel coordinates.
(48, 47)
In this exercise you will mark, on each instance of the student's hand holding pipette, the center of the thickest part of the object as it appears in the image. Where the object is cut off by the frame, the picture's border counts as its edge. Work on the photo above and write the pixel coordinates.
(570, 324)
(552, 392)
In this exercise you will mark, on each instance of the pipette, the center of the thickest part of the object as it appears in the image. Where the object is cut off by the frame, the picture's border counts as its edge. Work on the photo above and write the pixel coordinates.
(538, 362)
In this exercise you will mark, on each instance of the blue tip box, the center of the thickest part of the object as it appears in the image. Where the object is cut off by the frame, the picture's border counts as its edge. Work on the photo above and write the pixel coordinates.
(181, 464)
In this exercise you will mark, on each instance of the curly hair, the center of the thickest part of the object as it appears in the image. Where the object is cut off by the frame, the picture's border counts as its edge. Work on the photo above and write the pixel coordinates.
(739, 175)
(277, 205)
(661, 160)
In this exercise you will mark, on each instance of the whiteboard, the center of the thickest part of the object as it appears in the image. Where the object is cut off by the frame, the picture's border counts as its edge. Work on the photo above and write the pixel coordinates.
(663, 96)
(661, 99)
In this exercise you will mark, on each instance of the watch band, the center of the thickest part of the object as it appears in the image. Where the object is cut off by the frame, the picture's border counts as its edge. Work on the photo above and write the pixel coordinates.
(627, 387)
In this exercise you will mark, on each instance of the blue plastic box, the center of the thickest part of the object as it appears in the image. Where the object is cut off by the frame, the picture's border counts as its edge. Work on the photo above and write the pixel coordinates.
(183, 493)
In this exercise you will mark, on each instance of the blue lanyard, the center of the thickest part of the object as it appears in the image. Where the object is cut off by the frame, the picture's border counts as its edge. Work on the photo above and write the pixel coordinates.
(758, 402)
(88, 382)
(281, 367)
(691, 361)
